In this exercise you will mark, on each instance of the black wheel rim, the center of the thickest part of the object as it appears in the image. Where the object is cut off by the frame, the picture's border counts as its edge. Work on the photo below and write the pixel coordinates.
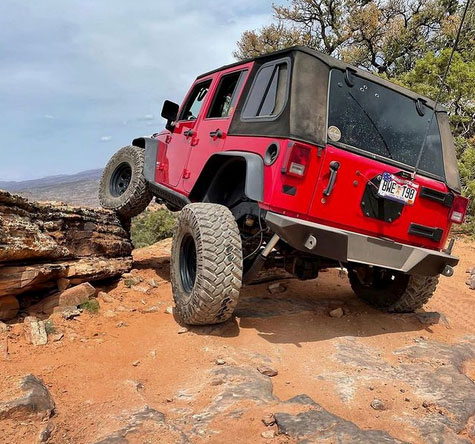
(188, 263)
(120, 179)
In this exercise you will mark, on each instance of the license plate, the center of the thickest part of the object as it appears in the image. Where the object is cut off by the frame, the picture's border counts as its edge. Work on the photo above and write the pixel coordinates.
(400, 190)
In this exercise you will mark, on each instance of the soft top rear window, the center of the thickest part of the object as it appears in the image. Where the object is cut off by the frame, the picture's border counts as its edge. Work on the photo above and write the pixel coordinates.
(381, 121)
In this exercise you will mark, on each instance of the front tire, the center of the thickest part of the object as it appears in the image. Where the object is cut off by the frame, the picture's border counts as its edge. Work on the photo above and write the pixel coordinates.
(392, 291)
(206, 264)
(123, 187)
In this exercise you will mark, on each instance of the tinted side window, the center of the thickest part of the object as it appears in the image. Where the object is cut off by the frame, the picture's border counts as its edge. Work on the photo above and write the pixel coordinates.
(226, 95)
(195, 101)
(268, 94)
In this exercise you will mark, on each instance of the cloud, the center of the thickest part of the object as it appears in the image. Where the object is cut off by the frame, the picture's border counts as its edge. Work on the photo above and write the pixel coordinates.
(99, 66)
(106, 138)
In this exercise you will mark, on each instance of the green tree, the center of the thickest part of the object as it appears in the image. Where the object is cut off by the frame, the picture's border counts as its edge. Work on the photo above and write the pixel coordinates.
(385, 36)
(458, 93)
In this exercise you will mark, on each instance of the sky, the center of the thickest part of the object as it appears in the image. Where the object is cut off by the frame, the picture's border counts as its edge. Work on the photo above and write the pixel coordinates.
(81, 78)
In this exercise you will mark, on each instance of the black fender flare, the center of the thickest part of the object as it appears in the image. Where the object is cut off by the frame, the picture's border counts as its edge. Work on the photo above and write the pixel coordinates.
(151, 149)
(254, 183)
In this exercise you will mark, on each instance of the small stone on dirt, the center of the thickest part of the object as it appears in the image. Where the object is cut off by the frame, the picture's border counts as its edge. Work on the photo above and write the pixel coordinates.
(267, 371)
(3, 327)
(220, 362)
(153, 309)
(276, 287)
(57, 337)
(35, 331)
(109, 314)
(336, 313)
(268, 434)
(105, 297)
(268, 420)
(69, 313)
(182, 330)
(377, 404)
(153, 283)
(121, 324)
(169, 310)
(136, 363)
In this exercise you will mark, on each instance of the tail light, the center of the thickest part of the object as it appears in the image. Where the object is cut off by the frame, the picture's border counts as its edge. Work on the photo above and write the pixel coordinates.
(298, 158)
(459, 209)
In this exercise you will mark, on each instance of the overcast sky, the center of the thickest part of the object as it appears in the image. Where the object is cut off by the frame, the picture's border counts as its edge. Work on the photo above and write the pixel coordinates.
(81, 78)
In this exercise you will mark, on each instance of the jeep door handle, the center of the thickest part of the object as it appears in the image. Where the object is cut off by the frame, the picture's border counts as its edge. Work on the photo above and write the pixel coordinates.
(188, 133)
(334, 166)
(218, 134)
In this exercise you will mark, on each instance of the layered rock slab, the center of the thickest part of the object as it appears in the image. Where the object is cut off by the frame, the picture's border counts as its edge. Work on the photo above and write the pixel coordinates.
(42, 244)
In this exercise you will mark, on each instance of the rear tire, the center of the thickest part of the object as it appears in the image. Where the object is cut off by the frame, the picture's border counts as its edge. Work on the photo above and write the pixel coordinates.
(123, 187)
(390, 290)
(206, 264)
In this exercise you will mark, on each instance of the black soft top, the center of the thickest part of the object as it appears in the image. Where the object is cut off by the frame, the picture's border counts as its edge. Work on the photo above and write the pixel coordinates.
(331, 62)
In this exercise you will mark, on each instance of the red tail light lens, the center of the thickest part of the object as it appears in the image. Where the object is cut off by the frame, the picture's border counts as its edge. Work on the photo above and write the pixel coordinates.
(459, 209)
(298, 160)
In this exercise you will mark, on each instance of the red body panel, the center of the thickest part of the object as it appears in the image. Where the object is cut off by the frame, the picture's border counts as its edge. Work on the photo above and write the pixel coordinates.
(181, 159)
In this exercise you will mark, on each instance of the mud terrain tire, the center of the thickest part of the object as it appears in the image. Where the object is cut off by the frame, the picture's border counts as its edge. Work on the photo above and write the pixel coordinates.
(397, 292)
(123, 187)
(206, 264)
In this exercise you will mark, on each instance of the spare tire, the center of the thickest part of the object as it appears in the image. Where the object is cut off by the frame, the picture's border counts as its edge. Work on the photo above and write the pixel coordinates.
(123, 187)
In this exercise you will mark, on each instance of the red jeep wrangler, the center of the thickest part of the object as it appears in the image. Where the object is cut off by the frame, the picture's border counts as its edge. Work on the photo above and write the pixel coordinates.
(298, 160)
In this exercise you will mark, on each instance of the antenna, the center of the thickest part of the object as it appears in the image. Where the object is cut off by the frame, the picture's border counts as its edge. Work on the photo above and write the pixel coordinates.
(442, 84)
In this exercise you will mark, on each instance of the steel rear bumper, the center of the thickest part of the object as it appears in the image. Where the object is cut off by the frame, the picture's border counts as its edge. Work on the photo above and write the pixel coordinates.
(347, 246)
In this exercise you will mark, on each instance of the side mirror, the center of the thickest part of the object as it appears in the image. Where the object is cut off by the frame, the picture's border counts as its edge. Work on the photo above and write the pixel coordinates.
(170, 112)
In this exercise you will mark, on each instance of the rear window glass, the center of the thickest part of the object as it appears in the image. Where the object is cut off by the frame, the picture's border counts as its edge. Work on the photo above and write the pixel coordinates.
(268, 93)
(381, 121)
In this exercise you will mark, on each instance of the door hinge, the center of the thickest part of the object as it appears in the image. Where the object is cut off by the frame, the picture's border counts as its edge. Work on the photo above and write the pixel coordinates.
(186, 174)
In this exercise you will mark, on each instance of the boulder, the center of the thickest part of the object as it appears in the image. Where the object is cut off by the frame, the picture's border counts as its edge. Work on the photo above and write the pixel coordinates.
(35, 331)
(36, 401)
(49, 246)
(71, 297)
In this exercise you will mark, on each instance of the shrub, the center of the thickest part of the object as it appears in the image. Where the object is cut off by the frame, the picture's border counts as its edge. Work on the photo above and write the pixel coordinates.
(152, 226)
(91, 306)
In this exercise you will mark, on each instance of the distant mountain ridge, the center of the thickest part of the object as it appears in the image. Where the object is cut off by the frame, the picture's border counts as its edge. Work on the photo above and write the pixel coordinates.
(80, 189)
(48, 181)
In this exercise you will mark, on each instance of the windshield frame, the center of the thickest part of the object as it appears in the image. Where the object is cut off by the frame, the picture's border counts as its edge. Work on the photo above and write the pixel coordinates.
(381, 158)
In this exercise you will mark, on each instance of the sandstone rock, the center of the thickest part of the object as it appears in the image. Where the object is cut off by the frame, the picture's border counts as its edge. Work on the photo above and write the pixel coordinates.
(35, 332)
(320, 425)
(268, 434)
(63, 283)
(105, 297)
(45, 433)
(37, 401)
(9, 307)
(72, 297)
(377, 404)
(43, 243)
(276, 287)
(268, 419)
(267, 371)
(337, 313)
(76, 295)
(70, 312)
